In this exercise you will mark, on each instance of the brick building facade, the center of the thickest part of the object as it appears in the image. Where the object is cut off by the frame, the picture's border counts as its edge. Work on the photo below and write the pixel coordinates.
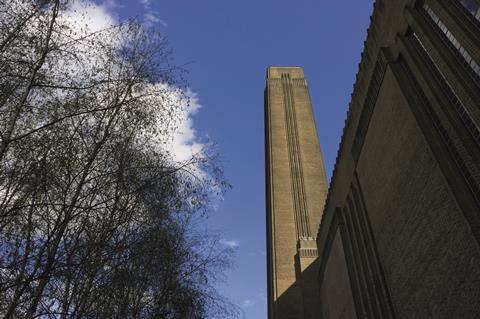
(399, 236)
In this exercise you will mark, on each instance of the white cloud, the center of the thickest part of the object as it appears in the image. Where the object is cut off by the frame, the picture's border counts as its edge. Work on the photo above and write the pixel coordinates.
(249, 302)
(185, 143)
(230, 243)
(89, 17)
(182, 142)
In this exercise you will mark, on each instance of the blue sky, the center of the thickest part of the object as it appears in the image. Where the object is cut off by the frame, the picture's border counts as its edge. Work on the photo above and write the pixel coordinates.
(226, 47)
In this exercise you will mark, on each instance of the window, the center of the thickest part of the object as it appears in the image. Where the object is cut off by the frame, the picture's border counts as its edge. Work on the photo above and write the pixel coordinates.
(452, 96)
(466, 56)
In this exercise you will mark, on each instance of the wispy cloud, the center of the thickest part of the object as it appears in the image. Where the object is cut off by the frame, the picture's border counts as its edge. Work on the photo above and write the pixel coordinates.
(151, 17)
(146, 3)
(259, 298)
(111, 4)
(256, 253)
(229, 243)
(249, 303)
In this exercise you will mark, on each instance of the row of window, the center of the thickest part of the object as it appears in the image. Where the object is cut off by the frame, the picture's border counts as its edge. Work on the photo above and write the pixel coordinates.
(468, 58)
(472, 7)
(447, 88)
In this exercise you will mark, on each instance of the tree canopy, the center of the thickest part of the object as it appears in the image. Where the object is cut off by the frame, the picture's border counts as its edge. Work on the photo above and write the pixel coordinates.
(95, 215)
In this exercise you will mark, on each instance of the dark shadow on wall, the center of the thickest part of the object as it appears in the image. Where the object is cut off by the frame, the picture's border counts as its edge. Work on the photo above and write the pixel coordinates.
(302, 299)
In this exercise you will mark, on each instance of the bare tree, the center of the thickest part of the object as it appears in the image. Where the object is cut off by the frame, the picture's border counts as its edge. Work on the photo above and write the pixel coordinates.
(94, 214)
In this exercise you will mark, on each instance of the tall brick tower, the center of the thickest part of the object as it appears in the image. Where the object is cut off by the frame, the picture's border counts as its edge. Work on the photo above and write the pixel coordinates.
(296, 191)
